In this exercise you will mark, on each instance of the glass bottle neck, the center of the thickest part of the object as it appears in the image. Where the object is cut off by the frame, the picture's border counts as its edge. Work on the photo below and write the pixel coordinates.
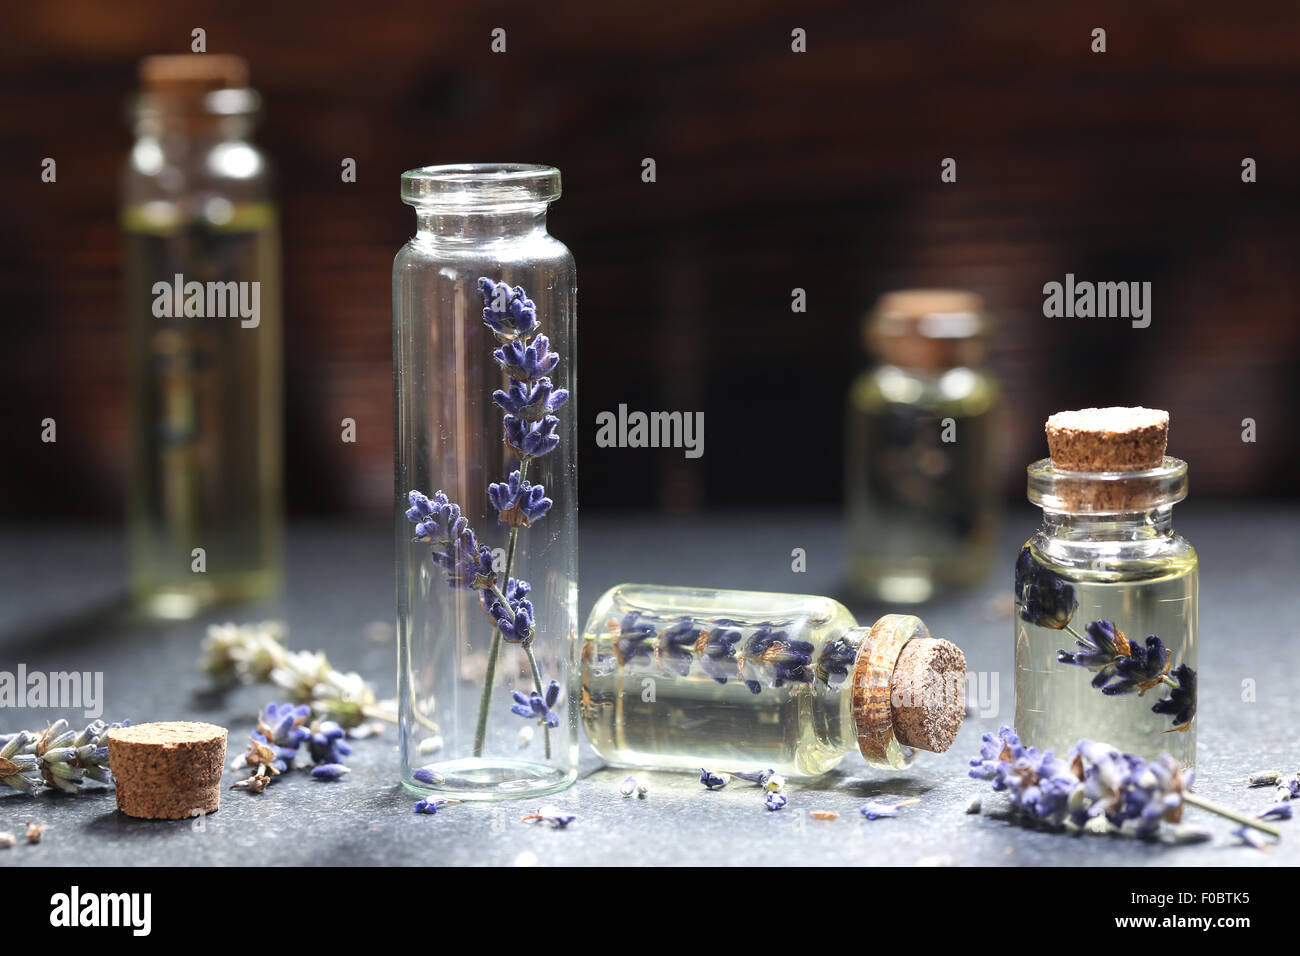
(442, 224)
(1131, 526)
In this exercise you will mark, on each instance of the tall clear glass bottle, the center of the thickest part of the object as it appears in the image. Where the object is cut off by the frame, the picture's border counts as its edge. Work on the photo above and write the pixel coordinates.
(203, 300)
(921, 447)
(1106, 612)
(684, 678)
(470, 726)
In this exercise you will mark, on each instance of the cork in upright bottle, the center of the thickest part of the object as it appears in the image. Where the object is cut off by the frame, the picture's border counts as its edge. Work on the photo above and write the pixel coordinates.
(1111, 441)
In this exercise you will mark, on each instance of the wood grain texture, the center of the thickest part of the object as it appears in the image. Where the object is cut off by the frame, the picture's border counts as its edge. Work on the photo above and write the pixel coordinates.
(775, 171)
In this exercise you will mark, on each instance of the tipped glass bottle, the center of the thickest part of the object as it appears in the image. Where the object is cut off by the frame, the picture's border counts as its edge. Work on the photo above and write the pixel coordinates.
(1106, 592)
(203, 308)
(469, 727)
(921, 446)
(684, 678)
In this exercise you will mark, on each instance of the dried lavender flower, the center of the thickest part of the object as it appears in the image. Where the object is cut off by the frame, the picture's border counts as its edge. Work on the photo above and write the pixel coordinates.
(326, 743)
(767, 779)
(770, 657)
(879, 810)
(835, 662)
(507, 311)
(1251, 838)
(529, 429)
(255, 654)
(674, 646)
(329, 771)
(775, 801)
(535, 705)
(634, 787)
(247, 652)
(711, 780)
(432, 805)
(1097, 782)
(519, 503)
(1181, 702)
(527, 362)
(1279, 811)
(18, 769)
(1264, 778)
(1043, 598)
(553, 815)
(428, 776)
(7, 839)
(531, 401)
(633, 639)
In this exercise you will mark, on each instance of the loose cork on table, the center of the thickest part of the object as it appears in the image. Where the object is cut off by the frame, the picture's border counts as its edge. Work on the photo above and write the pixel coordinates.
(169, 770)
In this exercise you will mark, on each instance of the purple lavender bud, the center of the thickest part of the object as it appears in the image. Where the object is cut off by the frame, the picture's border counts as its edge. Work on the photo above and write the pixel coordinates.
(515, 623)
(508, 312)
(769, 656)
(1043, 597)
(775, 801)
(531, 439)
(531, 401)
(518, 503)
(712, 780)
(527, 362)
(329, 771)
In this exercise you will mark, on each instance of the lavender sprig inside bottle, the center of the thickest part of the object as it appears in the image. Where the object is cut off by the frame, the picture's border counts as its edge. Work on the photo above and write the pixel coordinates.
(529, 426)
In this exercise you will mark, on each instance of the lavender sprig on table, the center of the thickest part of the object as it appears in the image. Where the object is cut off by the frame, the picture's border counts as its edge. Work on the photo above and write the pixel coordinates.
(57, 757)
(256, 654)
(529, 425)
(282, 730)
(1096, 781)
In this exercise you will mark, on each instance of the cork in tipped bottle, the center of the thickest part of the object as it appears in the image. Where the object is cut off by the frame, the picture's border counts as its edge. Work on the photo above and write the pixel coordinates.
(928, 694)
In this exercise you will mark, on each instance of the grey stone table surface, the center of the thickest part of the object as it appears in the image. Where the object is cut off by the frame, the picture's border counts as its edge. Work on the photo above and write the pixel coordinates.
(62, 609)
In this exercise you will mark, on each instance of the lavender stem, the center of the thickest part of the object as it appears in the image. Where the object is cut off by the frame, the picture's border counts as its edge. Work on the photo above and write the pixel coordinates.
(1233, 815)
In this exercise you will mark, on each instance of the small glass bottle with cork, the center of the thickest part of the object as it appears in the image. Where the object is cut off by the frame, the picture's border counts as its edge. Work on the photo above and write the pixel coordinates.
(921, 475)
(684, 678)
(203, 316)
(1106, 591)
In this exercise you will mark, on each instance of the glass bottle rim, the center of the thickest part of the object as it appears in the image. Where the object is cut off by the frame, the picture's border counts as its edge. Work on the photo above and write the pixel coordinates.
(481, 187)
(1106, 492)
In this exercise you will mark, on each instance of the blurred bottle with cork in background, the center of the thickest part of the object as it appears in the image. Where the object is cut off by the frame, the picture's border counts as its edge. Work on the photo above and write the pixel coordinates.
(204, 324)
(921, 447)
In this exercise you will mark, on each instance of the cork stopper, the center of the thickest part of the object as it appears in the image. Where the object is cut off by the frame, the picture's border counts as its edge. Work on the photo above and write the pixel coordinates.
(167, 771)
(927, 694)
(1108, 439)
(927, 328)
(909, 690)
(193, 73)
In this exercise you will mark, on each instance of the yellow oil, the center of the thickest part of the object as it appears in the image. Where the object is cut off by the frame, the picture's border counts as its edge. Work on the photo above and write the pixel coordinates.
(207, 422)
(921, 490)
(1056, 704)
(646, 702)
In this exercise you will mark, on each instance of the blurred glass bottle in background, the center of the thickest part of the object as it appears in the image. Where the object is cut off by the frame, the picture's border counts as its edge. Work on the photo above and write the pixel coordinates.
(203, 299)
(921, 444)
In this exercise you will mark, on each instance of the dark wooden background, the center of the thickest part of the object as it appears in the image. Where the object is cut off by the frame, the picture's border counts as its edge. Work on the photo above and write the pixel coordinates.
(775, 170)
